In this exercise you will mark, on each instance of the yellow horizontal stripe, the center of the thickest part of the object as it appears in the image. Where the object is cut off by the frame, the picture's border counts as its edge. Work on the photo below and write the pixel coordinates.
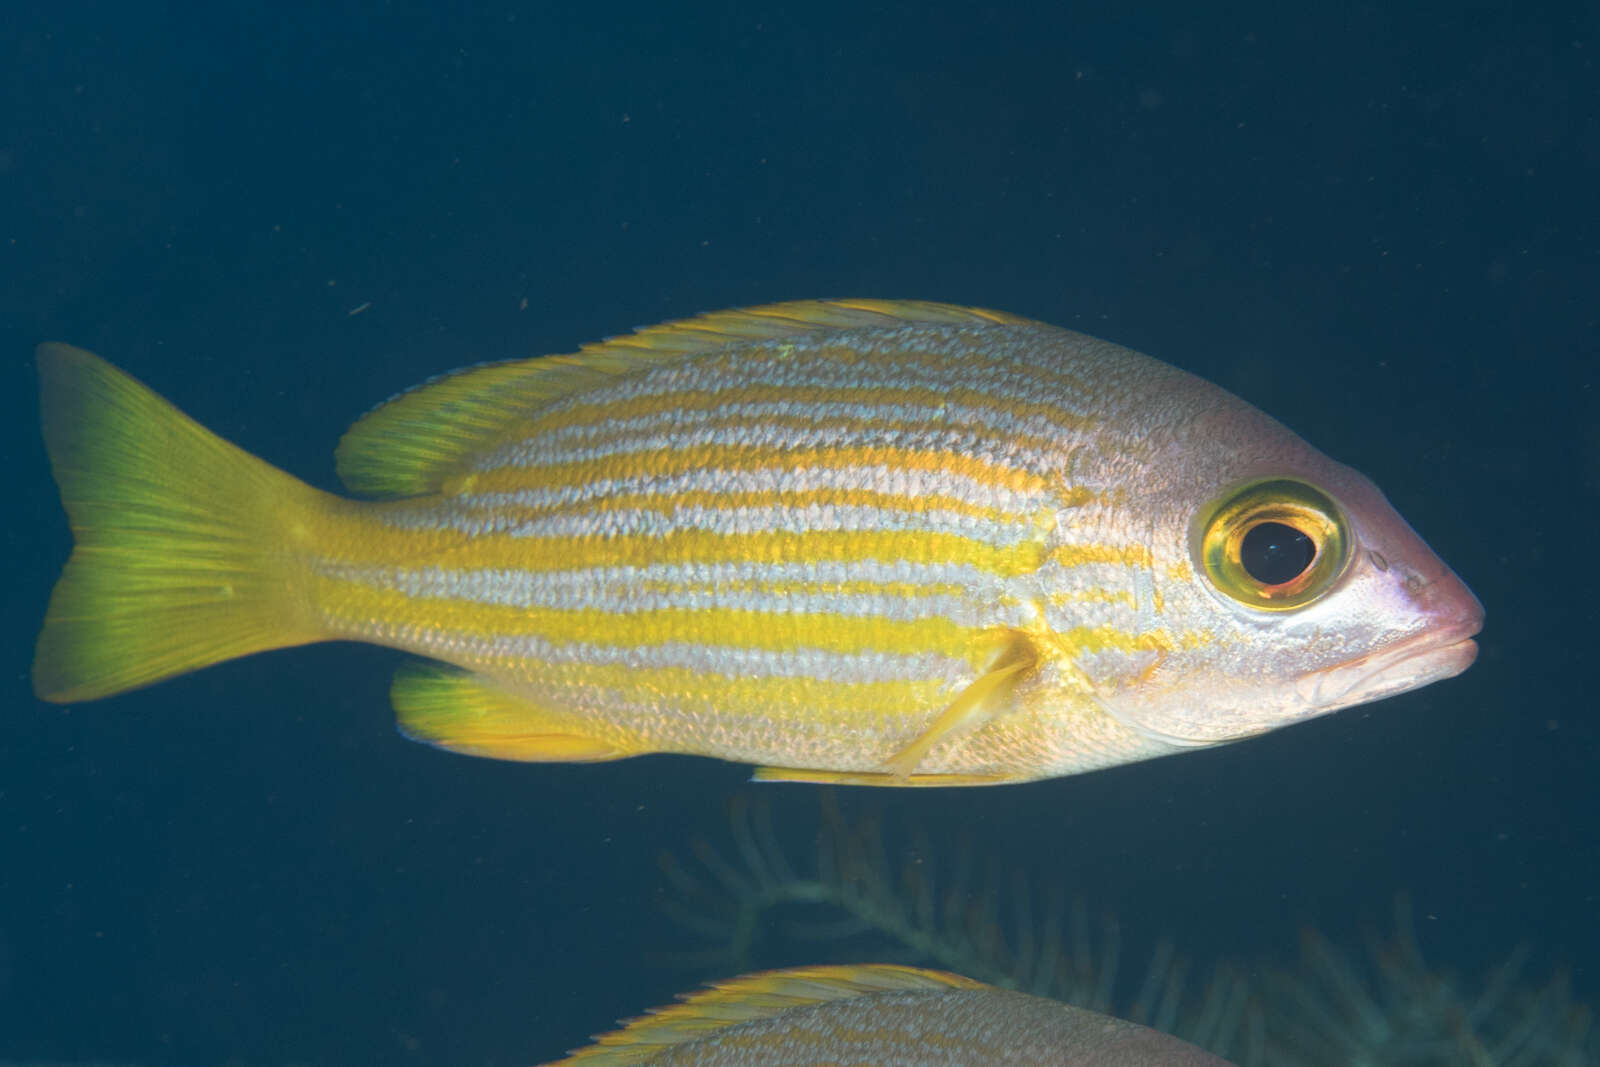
(714, 500)
(1134, 555)
(368, 541)
(973, 361)
(775, 699)
(780, 588)
(1093, 595)
(1091, 639)
(1070, 645)
(791, 427)
(720, 627)
(701, 546)
(868, 396)
(741, 458)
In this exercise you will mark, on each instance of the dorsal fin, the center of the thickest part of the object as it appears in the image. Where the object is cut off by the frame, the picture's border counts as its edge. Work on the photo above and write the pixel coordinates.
(761, 995)
(410, 444)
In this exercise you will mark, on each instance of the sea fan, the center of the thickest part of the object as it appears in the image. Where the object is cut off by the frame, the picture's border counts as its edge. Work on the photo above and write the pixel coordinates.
(850, 900)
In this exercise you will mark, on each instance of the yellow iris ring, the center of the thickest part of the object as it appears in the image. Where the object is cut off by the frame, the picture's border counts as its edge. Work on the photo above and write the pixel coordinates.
(1282, 500)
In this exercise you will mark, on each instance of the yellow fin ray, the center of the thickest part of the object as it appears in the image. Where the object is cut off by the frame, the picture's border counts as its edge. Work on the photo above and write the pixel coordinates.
(792, 318)
(413, 443)
(974, 706)
(875, 778)
(984, 698)
(467, 713)
(179, 560)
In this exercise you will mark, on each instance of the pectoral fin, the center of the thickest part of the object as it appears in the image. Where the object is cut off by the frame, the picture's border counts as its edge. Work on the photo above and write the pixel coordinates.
(468, 713)
(976, 705)
(984, 698)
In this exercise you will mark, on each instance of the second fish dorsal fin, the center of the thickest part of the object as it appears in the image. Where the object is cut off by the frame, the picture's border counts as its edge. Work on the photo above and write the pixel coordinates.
(755, 996)
(412, 443)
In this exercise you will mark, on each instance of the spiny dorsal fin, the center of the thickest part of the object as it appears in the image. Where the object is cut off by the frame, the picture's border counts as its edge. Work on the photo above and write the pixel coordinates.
(761, 995)
(412, 443)
(792, 319)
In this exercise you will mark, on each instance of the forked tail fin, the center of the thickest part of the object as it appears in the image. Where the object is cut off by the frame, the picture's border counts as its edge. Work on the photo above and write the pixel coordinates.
(185, 549)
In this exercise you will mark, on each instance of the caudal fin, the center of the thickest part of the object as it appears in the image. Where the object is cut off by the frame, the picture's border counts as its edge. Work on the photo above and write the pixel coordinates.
(182, 552)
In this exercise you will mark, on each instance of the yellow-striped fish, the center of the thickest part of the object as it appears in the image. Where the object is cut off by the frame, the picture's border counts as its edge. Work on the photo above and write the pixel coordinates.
(861, 541)
(875, 1015)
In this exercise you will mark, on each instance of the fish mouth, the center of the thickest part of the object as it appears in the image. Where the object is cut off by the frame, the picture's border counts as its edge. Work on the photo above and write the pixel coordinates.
(1430, 656)
(1441, 615)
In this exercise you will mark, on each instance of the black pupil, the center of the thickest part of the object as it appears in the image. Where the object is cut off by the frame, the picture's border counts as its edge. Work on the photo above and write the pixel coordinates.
(1273, 553)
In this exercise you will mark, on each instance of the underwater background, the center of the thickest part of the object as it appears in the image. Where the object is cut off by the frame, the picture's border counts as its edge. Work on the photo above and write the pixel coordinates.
(1376, 222)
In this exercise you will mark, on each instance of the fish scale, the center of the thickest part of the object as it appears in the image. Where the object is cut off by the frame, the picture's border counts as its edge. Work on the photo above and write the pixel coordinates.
(883, 542)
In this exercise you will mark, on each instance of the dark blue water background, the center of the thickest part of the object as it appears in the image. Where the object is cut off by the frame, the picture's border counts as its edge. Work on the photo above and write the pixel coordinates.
(1375, 221)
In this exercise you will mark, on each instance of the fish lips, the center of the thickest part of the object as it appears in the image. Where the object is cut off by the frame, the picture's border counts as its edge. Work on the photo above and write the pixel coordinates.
(1442, 648)
(1430, 656)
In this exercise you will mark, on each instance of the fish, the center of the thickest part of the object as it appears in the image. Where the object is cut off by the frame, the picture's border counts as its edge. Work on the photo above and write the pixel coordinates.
(866, 542)
(880, 1014)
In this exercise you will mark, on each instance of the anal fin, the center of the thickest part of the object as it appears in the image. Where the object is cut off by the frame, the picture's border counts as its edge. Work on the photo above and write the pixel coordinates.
(468, 713)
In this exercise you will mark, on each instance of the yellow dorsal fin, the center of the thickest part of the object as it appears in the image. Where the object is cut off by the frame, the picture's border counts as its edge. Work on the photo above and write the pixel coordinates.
(465, 712)
(414, 442)
(754, 996)
(791, 319)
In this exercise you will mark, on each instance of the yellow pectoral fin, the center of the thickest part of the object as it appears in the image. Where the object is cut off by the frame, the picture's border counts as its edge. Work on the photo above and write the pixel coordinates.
(468, 713)
(980, 702)
(987, 696)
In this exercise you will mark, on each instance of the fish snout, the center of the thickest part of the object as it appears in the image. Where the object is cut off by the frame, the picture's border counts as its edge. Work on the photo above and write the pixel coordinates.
(1452, 614)
(1435, 616)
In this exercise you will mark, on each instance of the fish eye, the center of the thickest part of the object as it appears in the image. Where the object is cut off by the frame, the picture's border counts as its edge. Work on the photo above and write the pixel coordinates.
(1274, 545)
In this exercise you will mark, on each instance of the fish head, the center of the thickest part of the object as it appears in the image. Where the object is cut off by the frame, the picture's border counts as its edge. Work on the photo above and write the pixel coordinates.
(1280, 585)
